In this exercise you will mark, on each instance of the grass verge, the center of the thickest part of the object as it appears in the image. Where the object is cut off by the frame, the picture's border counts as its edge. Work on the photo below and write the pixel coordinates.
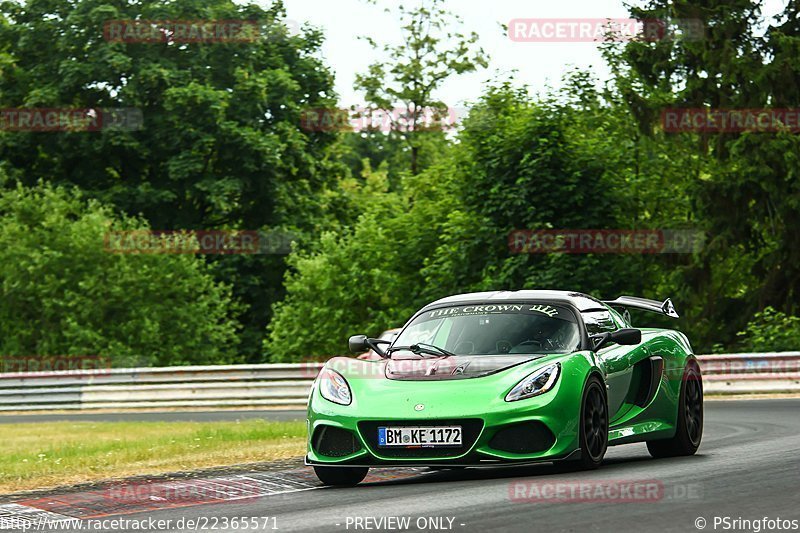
(50, 454)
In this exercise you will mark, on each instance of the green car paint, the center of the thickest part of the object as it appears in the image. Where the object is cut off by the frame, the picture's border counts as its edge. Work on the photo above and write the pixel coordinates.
(643, 387)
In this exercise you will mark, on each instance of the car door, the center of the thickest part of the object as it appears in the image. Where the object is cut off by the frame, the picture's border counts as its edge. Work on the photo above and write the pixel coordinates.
(618, 360)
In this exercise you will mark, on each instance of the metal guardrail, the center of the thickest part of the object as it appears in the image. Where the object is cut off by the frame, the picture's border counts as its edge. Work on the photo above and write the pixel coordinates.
(288, 384)
(751, 373)
(170, 387)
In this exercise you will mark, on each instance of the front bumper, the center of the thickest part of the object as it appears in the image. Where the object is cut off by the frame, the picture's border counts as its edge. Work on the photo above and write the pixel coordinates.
(465, 463)
(496, 432)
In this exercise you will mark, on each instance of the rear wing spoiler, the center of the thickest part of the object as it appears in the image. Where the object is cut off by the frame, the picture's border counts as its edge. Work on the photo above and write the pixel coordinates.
(632, 302)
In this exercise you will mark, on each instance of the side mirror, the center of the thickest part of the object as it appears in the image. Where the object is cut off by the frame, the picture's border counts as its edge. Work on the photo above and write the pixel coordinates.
(623, 337)
(627, 336)
(358, 344)
(362, 343)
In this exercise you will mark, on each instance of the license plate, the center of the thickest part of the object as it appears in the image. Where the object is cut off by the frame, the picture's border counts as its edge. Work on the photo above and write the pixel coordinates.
(429, 436)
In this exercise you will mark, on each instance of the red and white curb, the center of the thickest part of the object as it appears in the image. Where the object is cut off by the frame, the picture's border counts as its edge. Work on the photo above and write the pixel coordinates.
(22, 517)
(149, 495)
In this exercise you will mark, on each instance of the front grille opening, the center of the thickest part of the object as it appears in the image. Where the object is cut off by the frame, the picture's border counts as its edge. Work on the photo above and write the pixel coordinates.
(470, 431)
(527, 437)
(331, 441)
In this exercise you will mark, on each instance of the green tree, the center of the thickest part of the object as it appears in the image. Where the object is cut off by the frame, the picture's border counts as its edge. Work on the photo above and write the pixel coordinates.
(431, 52)
(221, 143)
(557, 162)
(65, 293)
(374, 148)
(221, 140)
(363, 279)
(751, 261)
(563, 161)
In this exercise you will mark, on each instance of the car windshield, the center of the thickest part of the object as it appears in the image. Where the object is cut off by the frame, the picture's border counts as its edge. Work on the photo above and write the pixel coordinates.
(492, 329)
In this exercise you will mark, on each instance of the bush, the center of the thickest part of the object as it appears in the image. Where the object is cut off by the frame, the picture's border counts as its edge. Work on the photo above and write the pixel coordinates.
(63, 294)
(363, 279)
(771, 331)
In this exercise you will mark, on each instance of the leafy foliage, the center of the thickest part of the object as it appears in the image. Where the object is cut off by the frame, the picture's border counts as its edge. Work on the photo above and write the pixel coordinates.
(221, 143)
(65, 294)
(388, 221)
(771, 330)
(221, 140)
(745, 188)
(431, 52)
(364, 279)
(518, 164)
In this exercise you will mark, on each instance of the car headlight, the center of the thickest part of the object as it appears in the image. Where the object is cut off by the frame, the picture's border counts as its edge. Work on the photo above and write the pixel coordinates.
(536, 383)
(334, 387)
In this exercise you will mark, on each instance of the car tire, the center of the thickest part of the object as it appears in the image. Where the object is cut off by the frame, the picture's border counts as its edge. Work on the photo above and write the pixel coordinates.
(339, 476)
(593, 434)
(689, 431)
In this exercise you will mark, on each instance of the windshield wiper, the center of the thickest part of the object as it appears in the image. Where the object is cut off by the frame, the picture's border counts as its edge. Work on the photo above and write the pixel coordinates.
(422, 348)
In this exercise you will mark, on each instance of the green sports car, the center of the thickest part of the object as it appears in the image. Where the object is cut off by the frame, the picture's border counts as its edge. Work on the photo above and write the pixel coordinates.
(505, 378)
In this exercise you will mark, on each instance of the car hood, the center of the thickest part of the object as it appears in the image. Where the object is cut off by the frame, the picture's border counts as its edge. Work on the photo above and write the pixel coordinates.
(453, 367)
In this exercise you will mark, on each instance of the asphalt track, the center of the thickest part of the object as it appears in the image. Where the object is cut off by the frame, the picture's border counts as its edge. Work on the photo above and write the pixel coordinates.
(747, 468)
